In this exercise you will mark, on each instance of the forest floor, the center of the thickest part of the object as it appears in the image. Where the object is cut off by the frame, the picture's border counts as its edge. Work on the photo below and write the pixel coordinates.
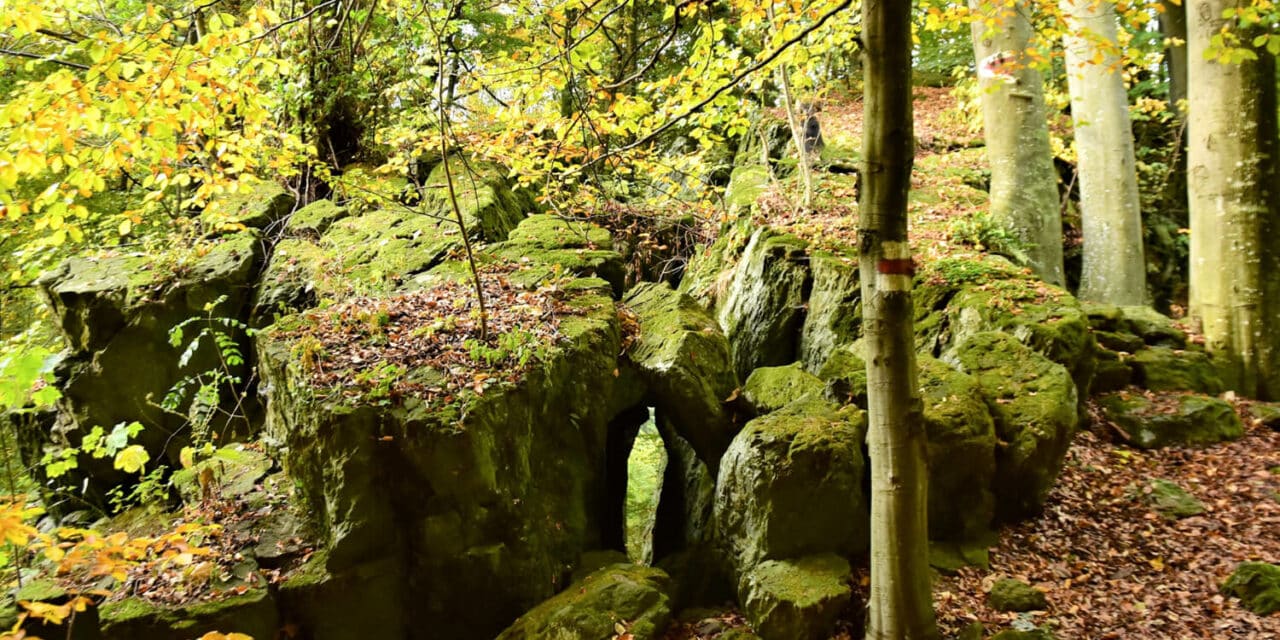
(1114, 567)
(1111, 565)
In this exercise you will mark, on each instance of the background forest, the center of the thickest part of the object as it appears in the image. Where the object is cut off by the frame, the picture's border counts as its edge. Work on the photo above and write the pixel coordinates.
(592, 319)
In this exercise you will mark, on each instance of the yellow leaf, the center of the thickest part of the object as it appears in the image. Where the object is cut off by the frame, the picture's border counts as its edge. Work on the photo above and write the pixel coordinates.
(125, 227)
(131, 459)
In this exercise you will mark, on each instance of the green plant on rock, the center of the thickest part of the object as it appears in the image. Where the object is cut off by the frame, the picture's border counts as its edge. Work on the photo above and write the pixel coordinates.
(983, 233)
(204, 393)
(379, 383)
(518, 347)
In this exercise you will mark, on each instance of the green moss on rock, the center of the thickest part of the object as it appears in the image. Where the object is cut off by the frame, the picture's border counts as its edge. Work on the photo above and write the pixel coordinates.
(253, 614)
(796, 599)
(1014, 595)
(1172, 501)
(834, 308)
(620, 596)
(1178, 419)
(1033, 402)
(1257, 584)
(314, 219)
(684, 358)
(771, 388)
(763, 303)
(801, 464)
(1168, 369)
(962, 452)
(256, 205)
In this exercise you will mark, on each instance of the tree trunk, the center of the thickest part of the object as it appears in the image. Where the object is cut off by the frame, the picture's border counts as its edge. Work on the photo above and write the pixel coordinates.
(1114, 270)
(1173, 25)
(1235, 294)
(1024, 183)
(900, 607)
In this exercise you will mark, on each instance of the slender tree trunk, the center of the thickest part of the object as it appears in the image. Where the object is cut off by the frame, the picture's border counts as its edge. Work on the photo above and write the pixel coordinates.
(1114, 270)
(1024, 183)
(1173, 25)
(900, 606)
(797, 129)
(1235, 257)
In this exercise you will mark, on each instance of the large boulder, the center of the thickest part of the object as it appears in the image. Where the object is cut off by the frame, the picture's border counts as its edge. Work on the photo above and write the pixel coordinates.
(252, 613)
(487, 498)
(801, 464)
(762, 308)
(615, 600)
(834, 308)
(962, 439)
(358, 601)
(1168, 369)
(962, 452)
(491, 206)
(1033, 401)
(1171, 419)
(685, 360)
(770, 388)
(117, 312)
(960, 298)
(561, 245)
(796, 599)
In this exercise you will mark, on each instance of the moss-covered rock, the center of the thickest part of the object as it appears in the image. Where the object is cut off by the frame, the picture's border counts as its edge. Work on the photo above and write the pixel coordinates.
(1111, 373)
(1015, 595)
(962, 452)
(802, 464)
(378, 251)
(231, 472)
(491, 206)
(360, 601)
(763, 305)
(562, 246)
(314, 219)
(1172, 419)
(292, 281)
(771, 388)
(1033, 402)
(1044, 318)
(486, 500)
(1171, 500)
(796, 599)
(616, 599)
(1168, 369)
(1153, 327)
(683, 518)
(1265, 413)
(115, 314)
(746, 184)
(845, 376)
(256, 205)
(252, 613)
(1119, 342)
(685, 360)
(1257, 584)
(710, 270)
(834, 308)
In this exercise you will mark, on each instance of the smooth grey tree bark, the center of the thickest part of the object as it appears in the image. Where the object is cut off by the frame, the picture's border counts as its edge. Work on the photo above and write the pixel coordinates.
(1024, 183)
(900, 606)
(1232, 196)
(1114, 269)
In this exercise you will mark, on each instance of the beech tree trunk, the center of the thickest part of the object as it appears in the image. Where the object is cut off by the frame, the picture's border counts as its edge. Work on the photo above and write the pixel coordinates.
(900, 606)
(1114, 269)
(1232, 191)
(1024, 183)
